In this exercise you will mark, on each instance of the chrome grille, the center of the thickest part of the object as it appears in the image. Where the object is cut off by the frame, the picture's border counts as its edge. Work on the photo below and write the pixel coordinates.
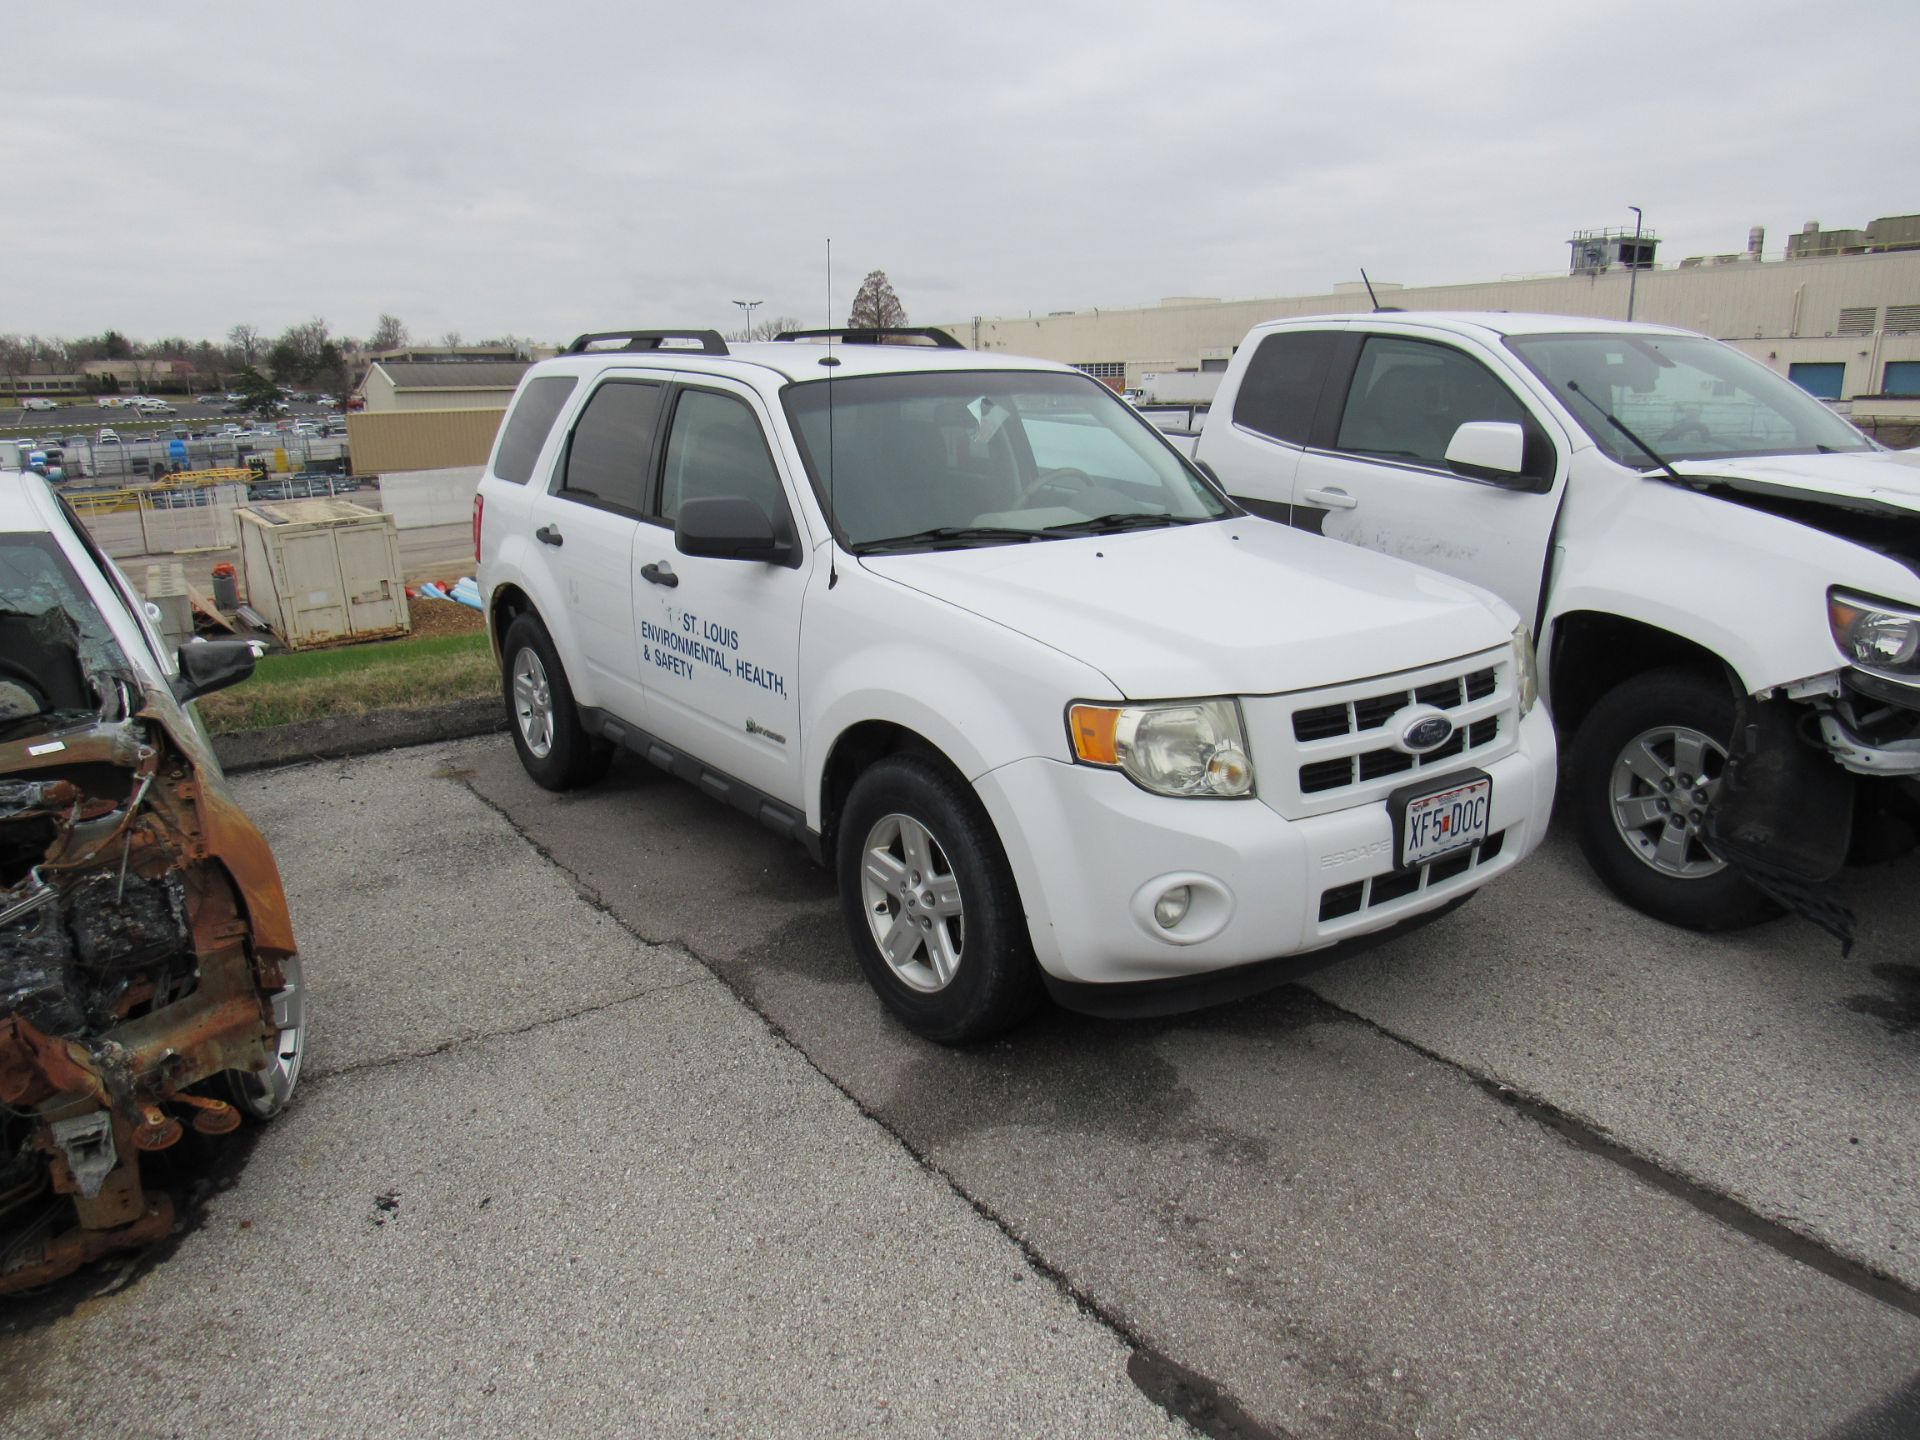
(1320, 750)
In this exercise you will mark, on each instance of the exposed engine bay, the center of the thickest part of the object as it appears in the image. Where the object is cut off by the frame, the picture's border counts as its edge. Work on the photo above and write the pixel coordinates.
(148, 978)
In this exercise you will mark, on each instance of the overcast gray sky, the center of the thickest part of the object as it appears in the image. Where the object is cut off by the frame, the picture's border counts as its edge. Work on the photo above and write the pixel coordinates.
(546, 169)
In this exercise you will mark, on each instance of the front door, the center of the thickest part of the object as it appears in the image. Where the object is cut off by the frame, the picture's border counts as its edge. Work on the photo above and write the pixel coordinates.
(1377, 475)
(720, 639)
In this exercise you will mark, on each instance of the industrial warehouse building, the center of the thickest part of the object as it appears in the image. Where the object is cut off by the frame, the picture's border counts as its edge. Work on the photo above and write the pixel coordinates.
(1840, 314)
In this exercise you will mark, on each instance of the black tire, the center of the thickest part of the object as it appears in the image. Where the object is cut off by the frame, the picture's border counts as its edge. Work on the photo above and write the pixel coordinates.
(992, 982)
(571, 757)
(1661, 704)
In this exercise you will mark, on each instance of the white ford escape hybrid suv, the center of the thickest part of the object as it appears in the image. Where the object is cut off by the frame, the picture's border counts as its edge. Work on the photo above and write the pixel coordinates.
(1057, 712)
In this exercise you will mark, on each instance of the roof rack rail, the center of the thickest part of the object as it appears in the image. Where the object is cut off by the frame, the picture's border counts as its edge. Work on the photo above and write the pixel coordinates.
(710, 341)
(876, 335)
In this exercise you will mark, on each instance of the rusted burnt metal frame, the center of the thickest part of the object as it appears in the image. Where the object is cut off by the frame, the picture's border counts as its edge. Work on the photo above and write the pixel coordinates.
(234, 896)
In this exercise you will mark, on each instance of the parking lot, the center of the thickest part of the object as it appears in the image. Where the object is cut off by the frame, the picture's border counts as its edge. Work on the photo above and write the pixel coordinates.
(603, 1131)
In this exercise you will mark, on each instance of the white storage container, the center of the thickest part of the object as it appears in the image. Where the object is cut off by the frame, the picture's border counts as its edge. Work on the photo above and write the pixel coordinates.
(322, 571)
(166, 592)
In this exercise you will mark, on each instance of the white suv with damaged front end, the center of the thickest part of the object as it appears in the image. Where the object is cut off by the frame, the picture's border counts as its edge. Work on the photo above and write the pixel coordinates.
(1056, 711)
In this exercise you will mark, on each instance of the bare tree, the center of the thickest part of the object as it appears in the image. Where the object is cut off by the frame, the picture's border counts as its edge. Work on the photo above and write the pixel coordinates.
(389, 333)
(14, 360)
(875, 305)
(765, 329)
(450, 340)
(246, 342)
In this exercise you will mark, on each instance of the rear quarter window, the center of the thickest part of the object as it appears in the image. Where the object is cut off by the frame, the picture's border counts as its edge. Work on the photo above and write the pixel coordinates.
(1281, 389)
(527, 427)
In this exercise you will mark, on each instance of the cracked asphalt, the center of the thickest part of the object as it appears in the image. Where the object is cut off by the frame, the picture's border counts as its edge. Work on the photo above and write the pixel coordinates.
(546, 1178)
(602, 1132)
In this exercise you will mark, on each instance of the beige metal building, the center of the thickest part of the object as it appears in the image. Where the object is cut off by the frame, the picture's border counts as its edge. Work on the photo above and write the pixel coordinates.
(441, 384)
(385, 441)
(1844, 325)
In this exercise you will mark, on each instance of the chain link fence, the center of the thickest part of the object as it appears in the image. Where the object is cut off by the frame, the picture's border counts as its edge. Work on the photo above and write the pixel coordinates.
(192, 513)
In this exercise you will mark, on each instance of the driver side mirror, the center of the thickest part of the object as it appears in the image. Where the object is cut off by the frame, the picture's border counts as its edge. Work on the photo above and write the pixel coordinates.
(1494, 451)
(729, 527)
(212, 665)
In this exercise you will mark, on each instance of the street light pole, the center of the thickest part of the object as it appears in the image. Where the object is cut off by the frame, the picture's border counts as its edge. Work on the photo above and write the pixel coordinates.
(747, 306)
(1633, 268)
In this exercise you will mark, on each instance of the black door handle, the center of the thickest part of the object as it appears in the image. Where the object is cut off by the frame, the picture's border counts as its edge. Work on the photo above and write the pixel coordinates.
(660, 574)
(547, 535)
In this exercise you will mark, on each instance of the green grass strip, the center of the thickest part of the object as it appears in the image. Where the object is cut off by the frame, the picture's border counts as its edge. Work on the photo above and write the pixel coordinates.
(352, 680)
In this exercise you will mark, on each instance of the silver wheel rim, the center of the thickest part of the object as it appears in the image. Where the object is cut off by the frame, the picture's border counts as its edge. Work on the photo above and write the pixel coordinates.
(533, 702)
(912, 900)
(264, 1093)
(1661, 787)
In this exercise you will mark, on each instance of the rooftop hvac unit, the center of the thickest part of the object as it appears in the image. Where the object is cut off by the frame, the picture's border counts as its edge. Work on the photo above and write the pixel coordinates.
(323, 571)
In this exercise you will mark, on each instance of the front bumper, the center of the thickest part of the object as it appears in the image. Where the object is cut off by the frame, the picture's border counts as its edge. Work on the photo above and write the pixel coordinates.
(1091, 851)
(1873, 727)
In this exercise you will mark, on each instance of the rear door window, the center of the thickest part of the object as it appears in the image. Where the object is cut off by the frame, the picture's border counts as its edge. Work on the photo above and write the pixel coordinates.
(1281, 389)
(610, 454)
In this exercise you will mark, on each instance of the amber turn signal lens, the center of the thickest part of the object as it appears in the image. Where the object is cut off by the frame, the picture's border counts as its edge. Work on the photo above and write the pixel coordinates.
(1093, 729)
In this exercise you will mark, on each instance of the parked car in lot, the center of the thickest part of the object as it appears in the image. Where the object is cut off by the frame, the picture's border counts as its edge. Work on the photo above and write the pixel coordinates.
(149, 979)
(106, 437)
(1724, 575)
(1057, 712)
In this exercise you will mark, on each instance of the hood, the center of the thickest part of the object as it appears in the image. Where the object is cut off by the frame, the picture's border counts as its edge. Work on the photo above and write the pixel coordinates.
(1870, 481)
(1235, 607)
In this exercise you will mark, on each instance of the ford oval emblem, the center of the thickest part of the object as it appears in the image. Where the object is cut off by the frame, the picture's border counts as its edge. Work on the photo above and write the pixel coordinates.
(1429, 732)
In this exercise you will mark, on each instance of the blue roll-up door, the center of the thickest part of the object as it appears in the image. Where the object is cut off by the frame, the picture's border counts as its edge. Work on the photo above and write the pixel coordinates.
(1825, 379)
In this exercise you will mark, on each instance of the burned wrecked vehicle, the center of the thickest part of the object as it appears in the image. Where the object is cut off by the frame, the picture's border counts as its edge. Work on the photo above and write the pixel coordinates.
(148, 975)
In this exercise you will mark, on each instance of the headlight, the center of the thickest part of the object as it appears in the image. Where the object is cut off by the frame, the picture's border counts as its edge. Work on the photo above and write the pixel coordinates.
(1195, 748)
(1526, 669)
(1876, 635)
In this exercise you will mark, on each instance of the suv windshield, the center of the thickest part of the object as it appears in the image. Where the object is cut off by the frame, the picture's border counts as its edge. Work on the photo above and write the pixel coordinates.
(925, 461)
(1688, 397)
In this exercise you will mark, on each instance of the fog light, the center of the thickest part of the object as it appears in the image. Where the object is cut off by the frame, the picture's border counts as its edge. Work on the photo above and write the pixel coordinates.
(1171, 908)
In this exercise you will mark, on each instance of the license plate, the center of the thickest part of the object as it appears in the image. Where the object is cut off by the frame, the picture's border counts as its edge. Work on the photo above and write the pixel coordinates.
(1445, 820)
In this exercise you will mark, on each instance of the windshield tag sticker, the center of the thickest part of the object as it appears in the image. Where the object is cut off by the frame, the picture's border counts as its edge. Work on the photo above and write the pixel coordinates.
(52, 747)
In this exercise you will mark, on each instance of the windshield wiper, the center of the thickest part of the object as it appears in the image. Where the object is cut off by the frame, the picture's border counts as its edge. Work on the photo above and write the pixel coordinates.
(1130, 520)
(949, 536)
(1620, 425)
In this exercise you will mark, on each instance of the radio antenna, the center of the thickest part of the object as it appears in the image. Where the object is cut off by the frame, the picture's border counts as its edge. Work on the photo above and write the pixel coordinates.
(1373, 299)
(832, 363)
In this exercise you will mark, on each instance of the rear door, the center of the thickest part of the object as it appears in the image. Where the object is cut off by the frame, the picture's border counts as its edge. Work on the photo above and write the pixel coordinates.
(1376, 475)
(720, 639)
(589, 519)
(1254, 437)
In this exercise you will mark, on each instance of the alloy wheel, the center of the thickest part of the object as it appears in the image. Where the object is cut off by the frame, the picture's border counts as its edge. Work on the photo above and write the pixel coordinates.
(912, 900)
(1661, 786)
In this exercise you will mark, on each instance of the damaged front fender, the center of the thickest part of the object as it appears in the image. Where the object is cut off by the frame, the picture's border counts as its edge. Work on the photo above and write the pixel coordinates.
(146, 957)
(1783, 815)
